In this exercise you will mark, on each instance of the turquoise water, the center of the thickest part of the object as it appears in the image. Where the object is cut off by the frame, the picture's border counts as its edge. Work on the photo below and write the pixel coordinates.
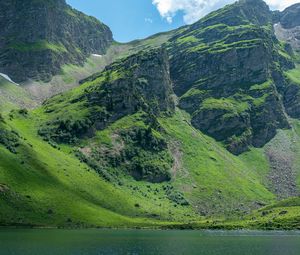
(147, 242)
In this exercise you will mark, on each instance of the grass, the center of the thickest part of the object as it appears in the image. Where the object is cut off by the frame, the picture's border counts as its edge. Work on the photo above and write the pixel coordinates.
(41, 178)
(207, 165)
(263, 86)
(227, 104)
(294, 74)
(54, 188)
(38, 46)
(46, 186)
(13, 97)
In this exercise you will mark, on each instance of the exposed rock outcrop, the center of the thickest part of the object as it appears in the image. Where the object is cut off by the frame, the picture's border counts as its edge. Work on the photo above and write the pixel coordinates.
(287, 27)
(290, 17)
(140, 82)
(228, 71)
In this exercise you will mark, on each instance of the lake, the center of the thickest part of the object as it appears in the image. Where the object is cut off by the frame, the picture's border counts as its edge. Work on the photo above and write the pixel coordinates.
(147, 242)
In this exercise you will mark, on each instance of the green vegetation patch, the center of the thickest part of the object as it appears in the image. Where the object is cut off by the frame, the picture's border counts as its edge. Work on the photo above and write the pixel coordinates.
(227, 104)
(39, 46)
(262, 86)
(8, 138)
(294, 74)
(132, 145)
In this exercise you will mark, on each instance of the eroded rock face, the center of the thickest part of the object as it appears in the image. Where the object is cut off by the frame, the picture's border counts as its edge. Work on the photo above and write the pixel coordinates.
(228, 73)
(38, 37)
(287, 27)
(140, 82)
(292, 100)
(290, 17)
(291, 35)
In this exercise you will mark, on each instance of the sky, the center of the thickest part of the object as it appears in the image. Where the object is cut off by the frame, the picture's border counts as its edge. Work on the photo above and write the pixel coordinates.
(136, 19)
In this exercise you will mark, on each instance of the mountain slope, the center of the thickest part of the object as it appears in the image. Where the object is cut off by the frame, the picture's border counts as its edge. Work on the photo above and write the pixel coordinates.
(192, 128)
(70, 75)
(287, 27)
(228, 71)
(38, 37)
(13, 96)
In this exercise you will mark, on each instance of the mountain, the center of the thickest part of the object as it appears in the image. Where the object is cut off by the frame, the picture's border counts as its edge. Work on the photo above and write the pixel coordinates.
(287, 27)
(228, 70)
(289, 18)
(39, 37)
(195, 128)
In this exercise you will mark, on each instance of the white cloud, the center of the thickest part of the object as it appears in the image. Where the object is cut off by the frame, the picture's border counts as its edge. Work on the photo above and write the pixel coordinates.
(281, 4)
(148, 20)
(195, 9)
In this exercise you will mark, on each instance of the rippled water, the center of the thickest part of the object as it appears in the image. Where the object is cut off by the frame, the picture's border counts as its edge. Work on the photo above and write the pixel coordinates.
(147, 242)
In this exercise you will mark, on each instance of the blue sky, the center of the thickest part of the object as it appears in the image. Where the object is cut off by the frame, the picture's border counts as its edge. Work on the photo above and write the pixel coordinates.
(135, 19)
(128, 19)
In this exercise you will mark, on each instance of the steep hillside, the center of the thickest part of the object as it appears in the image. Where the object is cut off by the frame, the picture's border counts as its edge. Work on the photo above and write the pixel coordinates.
(38, 37)
(135, 142)
(120, 130)
(194, 128)
(70, 75)
(228, 72)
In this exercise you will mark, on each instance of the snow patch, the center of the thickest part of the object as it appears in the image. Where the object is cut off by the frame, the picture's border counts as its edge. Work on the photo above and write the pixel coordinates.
(97, 55)
(6, 77)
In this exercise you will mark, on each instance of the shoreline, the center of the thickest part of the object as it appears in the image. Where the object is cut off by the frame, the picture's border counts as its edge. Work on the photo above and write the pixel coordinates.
(159, 228)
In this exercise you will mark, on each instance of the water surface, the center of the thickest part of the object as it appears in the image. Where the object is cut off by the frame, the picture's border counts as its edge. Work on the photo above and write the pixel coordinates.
(147, 242)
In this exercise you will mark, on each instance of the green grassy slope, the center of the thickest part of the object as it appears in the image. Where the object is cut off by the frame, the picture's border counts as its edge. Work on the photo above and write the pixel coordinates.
(294, 74)
(46, 186)
(207, 171)
(43, 186)
(13, 97)
(284, 215)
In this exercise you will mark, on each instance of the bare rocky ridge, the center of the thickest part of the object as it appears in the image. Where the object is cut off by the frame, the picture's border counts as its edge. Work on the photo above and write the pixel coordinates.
(291, 36)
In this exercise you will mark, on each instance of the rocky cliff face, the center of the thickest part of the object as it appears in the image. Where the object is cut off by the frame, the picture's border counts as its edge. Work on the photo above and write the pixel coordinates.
(37, 37)
(287, 27)
(290, 17)
(140, 82)
(228, 71)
